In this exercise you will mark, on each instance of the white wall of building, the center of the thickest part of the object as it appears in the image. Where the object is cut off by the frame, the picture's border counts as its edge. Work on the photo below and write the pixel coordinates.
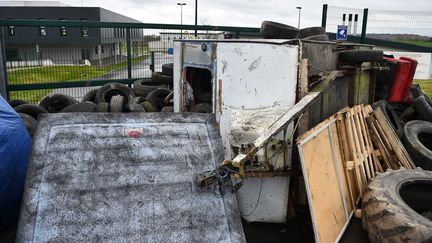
(424, 67)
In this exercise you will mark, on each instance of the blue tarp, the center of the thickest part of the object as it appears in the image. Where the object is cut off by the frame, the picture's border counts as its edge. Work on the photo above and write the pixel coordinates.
(15, 145)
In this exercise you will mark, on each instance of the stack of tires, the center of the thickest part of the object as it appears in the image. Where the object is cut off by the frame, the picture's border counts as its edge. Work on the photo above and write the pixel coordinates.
(413, 125)
(146, 95)
(275, 30)
(397, 205)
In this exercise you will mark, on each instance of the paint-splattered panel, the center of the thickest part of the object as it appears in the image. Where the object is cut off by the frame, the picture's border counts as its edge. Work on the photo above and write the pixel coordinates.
(125, 178)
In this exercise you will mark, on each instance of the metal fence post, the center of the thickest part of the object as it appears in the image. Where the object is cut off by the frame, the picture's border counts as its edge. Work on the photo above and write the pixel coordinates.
(3, 72)
(128, 48)
(324, 16)
(152, 65)
(365, 17)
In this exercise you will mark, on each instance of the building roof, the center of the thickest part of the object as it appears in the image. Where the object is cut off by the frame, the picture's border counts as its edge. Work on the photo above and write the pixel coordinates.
(32, 4)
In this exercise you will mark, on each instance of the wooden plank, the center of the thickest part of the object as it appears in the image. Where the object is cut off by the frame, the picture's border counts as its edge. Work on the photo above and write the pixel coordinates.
(394, 141)
(276, 127)
(353, 151)
(367, 147)
(303, 83)
(341, 170)
(358, 156)
(321, 87)
(346, 156)
(379, 142)
(361, 141)
(323, 177)
(371, 151)
(394, 163)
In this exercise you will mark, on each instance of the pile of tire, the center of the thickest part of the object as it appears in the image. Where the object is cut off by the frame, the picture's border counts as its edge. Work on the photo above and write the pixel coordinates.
(146, 95)
(397, 205)
(413, 125)
(275, 30)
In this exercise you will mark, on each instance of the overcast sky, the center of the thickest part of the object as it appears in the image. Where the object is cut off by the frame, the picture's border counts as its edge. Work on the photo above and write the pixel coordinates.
(240, 12)
(250, 13)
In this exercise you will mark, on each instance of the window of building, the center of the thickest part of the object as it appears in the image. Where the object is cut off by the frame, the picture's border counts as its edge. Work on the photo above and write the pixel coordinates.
(63, 31)
(42, 29)
(11, 29)
(96, 50)
(84, 29)
(102, 49)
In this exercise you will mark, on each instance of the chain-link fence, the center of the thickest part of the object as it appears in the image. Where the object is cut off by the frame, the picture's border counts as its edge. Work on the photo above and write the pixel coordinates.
(410, 26)
(72, 57)
(351, 17)
(414, 27)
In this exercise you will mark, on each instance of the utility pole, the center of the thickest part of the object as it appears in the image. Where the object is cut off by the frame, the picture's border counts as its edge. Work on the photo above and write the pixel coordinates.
(299, 9)
(196, 17)
(181, 18)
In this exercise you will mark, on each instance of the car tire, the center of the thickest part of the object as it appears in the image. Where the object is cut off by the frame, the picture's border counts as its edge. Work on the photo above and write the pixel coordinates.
(157, 97)
(391, 116)
(311, 31)
(117, 103)
(30, 109)
(135, 105)
(168, 109)
(415, 90)
(169, 100)
(321, 37)
(142, 87)
(137, 100)
(86, 106)
(90, 96)
(396, 204)
(149, 107)
(109, 90)
(201, 108)
(167, 69)
(361, 56)
(418, 143)
(423, 107)
(54, 103)
(162, 79)
(135, 108)
(29, 122)
(275, 30)
(102, 107)
(14, 103)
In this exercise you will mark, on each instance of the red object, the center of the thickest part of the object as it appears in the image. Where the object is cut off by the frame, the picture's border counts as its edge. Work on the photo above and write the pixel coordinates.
(408, 98)
(400, 90)
(134, 134)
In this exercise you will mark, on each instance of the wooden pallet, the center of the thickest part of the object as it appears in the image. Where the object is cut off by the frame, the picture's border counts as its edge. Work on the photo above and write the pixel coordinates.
(361, 161)
(339, 157)
(384, 137)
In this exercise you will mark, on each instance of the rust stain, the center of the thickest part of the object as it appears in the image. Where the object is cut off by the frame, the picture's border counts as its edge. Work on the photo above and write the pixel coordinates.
(213, 53)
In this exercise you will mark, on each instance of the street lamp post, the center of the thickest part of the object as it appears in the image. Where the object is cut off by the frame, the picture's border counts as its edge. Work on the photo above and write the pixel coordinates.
(181, 18)
(196, 16)
(299, 9)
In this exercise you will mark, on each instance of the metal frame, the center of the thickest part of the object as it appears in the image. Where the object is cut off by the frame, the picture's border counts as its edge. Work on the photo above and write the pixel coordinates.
(96, 24)
(93, 24)
(372, 41)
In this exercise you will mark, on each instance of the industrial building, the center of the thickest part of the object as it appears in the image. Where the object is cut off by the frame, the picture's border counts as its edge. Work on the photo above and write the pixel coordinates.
(44, 46)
